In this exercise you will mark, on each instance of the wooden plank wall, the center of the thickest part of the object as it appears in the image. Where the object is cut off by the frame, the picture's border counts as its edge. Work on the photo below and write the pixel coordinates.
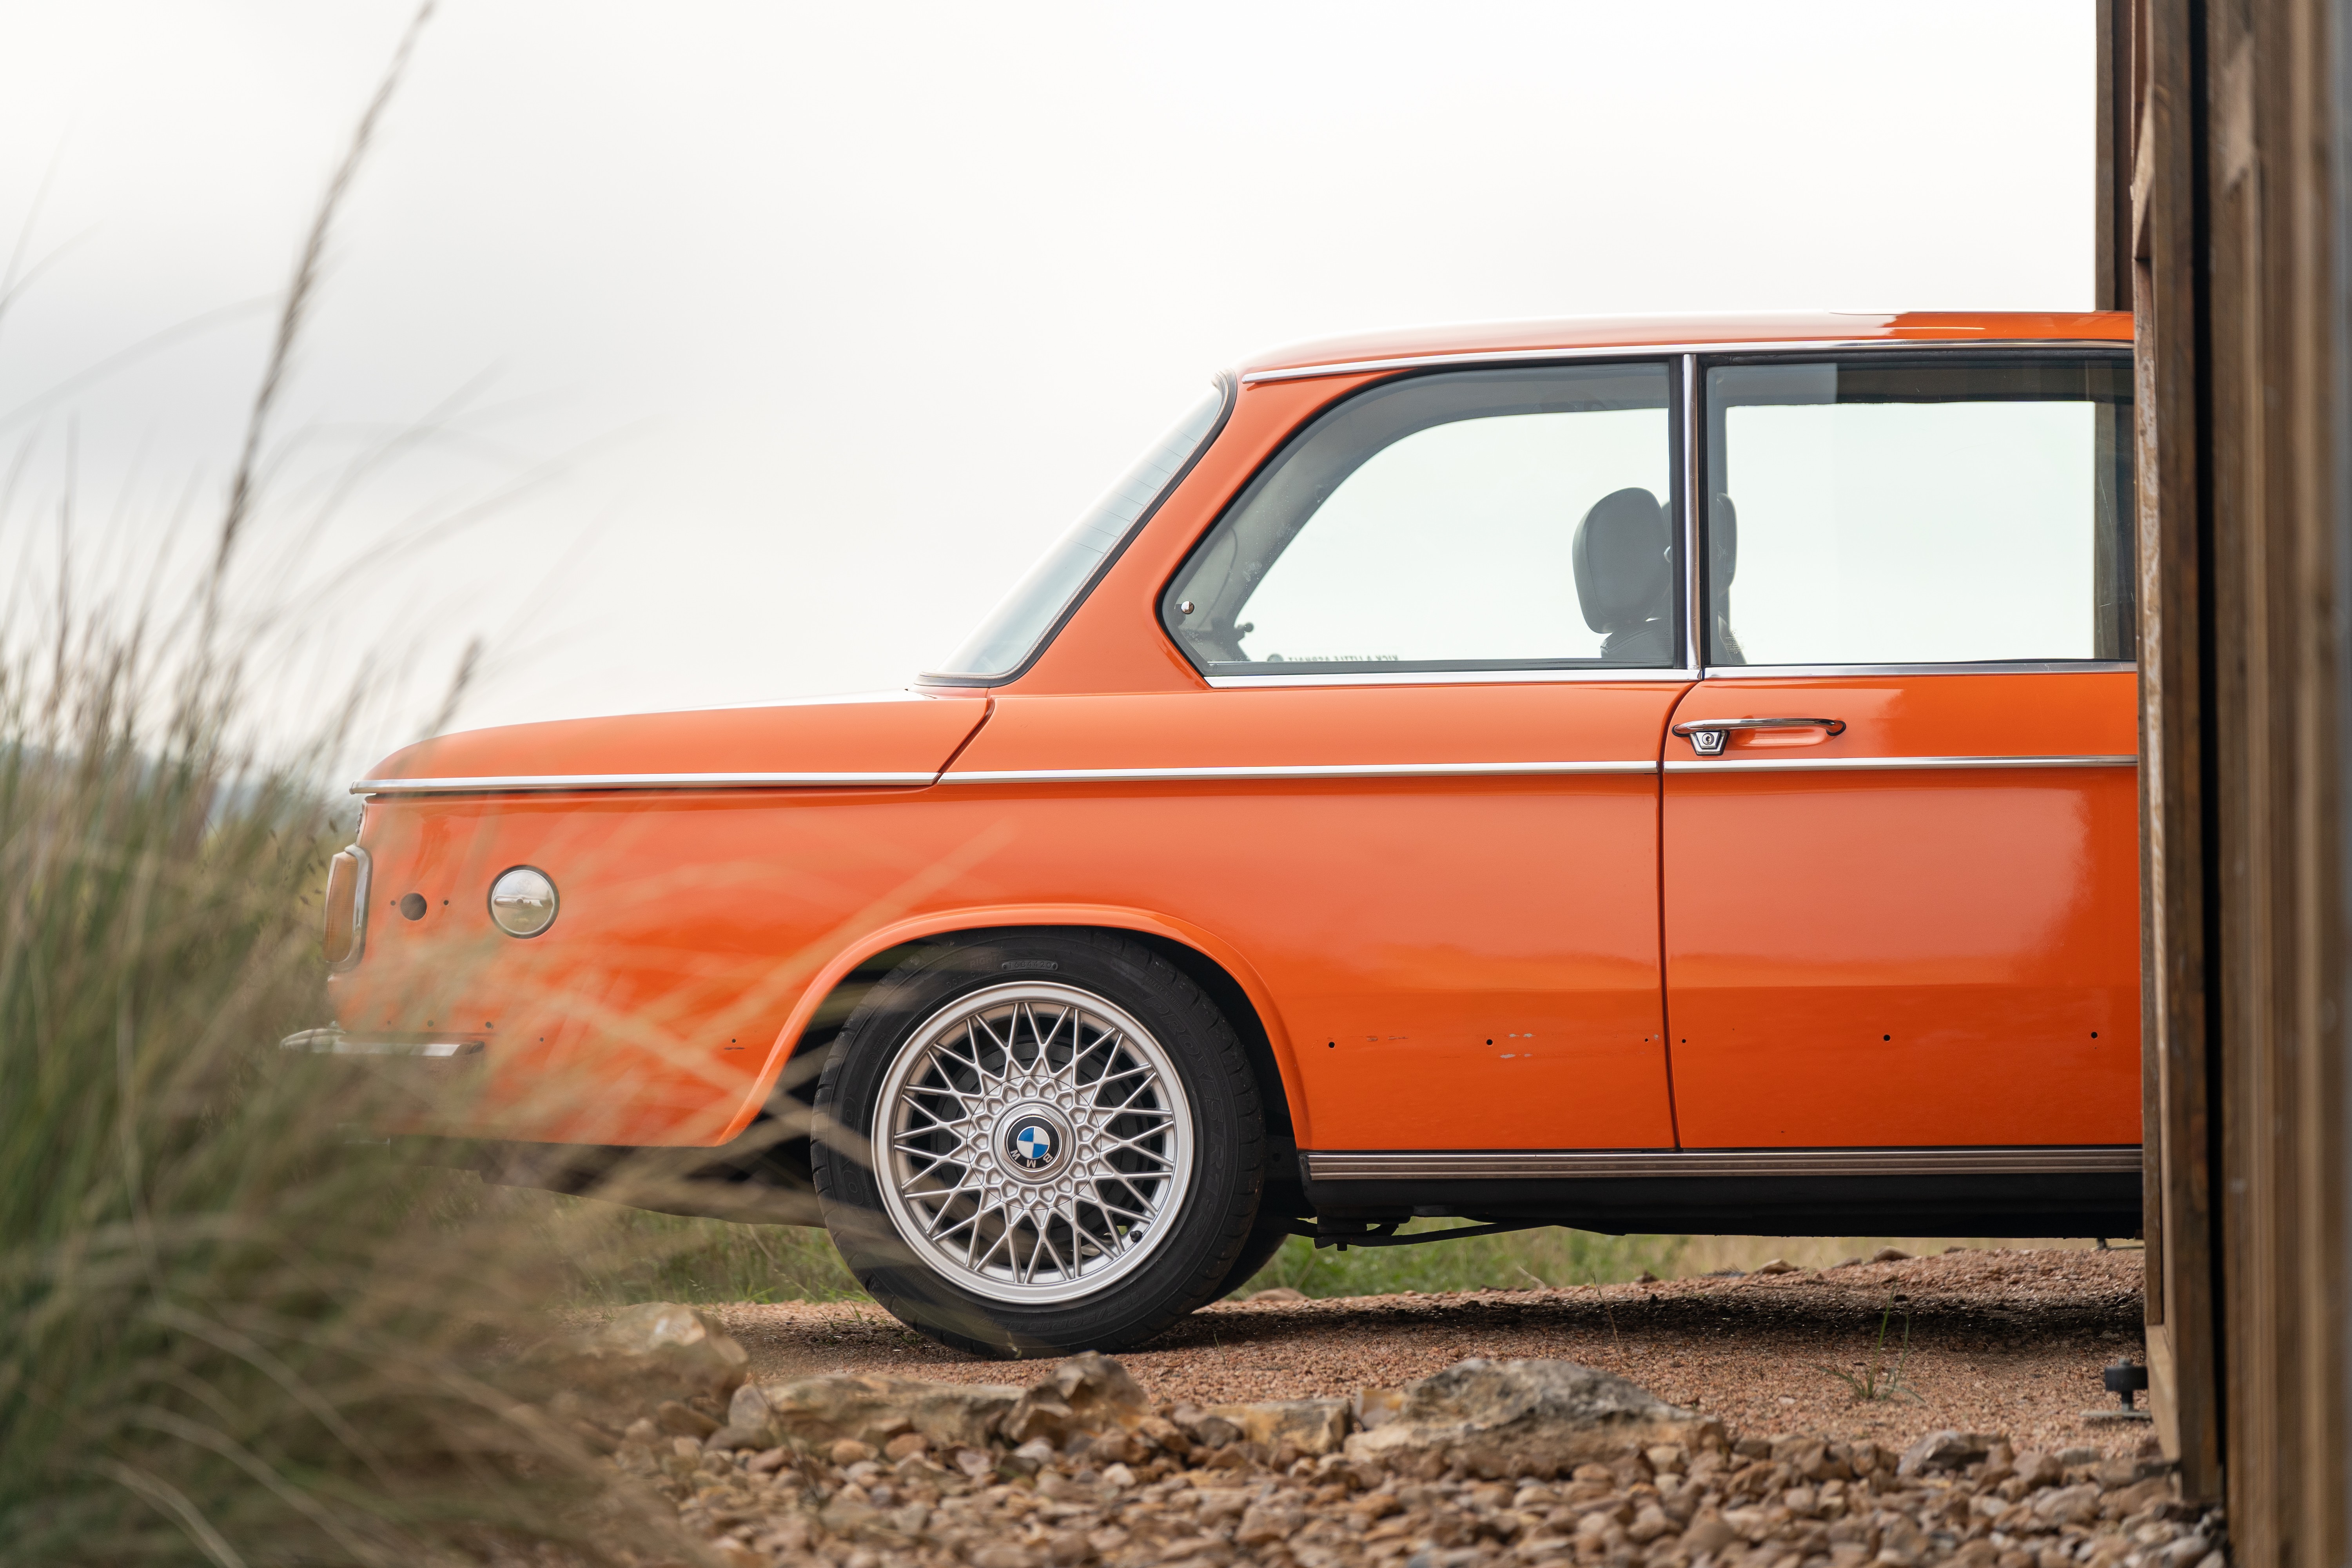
(2221, 203)
(2166, 289)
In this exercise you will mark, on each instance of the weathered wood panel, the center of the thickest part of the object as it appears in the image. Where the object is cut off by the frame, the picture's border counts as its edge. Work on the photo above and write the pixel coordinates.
(2174, 653)
(2231, 139)
(2111, 288)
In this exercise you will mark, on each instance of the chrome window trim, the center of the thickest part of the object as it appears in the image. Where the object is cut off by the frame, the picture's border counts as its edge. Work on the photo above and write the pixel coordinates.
(531, 783)
(1642, 765)
(1687, 359)
(1651, 351)
(1694, 585)
(1884, 764)
(1988, 667)
(1686, 673)
(1537, 1164)
(1454, 677)
(1662, 359)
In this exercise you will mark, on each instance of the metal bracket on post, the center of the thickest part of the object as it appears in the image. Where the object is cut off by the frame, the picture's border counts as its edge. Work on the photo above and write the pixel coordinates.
(2122, 1379)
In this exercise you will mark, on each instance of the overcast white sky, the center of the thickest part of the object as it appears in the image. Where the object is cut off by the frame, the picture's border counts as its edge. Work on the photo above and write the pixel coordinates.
(802, 329)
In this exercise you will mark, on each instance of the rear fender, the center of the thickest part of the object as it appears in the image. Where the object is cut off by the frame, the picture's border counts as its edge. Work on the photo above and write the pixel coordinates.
(846, 963)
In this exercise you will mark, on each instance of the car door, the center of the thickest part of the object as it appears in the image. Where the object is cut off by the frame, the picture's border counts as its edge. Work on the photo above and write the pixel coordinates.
(1900, 822)
(1415, 789)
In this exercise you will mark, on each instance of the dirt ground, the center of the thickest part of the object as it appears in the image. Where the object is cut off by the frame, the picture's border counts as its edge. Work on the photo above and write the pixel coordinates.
(2002, 1341)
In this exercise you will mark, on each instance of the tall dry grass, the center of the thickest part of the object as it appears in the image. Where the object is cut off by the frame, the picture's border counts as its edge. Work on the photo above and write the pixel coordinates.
(231, 1332)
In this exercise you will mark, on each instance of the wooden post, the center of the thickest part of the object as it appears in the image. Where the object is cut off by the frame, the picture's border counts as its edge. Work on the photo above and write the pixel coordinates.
(2174, 656)
(2236, 122)
(2112, 264)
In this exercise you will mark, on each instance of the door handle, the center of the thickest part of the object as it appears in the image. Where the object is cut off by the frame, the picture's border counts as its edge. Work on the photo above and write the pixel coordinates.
(1707, 736)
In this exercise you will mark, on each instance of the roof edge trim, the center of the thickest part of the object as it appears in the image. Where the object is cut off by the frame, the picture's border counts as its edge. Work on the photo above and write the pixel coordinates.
(1645, 350)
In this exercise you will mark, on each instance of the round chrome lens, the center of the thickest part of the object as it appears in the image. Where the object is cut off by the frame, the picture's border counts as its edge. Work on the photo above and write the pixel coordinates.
(523, 901)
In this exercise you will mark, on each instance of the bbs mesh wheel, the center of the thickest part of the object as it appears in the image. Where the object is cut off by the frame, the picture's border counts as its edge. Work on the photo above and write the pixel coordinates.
(1038, 1141)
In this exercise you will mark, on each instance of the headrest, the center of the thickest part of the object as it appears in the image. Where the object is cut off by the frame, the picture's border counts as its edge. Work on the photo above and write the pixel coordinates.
(1620, 561)
(1723, 544)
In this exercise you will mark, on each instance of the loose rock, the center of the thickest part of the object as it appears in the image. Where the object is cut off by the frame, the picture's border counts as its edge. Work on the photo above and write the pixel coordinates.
(640, 1355)
(875, 1409)
(683, 1421)
(1525, 1417)
(1947, 1450)
(1089, 1393)
(1311, 1426)
(1604, 1474)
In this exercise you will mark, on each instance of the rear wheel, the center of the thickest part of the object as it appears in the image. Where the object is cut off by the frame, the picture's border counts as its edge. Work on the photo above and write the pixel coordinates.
(1038, 1141)
(1265, 1239)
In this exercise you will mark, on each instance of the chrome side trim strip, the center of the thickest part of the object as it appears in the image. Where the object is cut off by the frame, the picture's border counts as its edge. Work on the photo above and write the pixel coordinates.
(1454, 677)
(524, 782)
(1988, 666)
(1883, 764)
(334, 1042)
(1310, 771)
(1660, 350)
(1555, 1164)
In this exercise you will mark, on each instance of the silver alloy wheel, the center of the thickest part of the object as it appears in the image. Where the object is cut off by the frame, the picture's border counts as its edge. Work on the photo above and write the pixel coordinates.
(1033, 1142)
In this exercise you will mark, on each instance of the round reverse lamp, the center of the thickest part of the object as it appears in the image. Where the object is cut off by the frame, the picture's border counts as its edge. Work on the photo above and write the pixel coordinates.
(523, 901)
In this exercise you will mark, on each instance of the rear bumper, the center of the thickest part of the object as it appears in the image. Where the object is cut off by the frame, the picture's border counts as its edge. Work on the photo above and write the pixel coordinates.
(420, 1088)
(335, 1042)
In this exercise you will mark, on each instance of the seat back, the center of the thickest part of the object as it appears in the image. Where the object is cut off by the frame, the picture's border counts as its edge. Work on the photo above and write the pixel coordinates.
(1623, 580)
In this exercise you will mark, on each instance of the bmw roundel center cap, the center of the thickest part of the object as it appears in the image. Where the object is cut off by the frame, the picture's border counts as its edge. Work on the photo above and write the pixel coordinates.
(1033, 1145)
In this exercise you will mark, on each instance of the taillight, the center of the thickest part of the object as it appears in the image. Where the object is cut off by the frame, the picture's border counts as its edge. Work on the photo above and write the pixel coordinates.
(347, 881)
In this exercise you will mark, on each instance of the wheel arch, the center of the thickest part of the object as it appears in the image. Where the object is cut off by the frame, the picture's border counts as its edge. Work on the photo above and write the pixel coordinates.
(798, 1056)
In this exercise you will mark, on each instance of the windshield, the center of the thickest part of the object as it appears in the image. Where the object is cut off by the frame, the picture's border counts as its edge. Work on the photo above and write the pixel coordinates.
(1015, 629)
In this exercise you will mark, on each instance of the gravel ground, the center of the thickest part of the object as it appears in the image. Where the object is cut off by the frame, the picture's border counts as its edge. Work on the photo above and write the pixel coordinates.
(2008, 1341)
(1796, 1504)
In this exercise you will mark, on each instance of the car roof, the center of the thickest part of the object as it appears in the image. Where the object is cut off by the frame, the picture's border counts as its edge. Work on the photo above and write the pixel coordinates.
(1482, 340)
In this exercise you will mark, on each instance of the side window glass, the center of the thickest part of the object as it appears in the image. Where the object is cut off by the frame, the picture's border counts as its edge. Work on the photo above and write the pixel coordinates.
(1481, 520)
(1874, 512)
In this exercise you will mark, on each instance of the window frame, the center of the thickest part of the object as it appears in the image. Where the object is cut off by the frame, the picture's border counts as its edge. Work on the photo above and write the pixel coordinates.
(1700, 415)
(1680, 408)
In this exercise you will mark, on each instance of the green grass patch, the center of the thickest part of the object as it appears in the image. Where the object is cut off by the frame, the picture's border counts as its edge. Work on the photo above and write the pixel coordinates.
(1515, 1260)
(609, 1255)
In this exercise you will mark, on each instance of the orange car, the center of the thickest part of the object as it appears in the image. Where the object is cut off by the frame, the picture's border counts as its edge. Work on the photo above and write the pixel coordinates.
(1667, 774)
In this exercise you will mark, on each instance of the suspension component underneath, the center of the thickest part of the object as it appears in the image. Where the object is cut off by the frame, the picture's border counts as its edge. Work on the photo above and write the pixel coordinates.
(1345, 1234)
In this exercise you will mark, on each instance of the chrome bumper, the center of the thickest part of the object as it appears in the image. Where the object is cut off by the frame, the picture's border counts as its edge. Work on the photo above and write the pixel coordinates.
(335, 1042)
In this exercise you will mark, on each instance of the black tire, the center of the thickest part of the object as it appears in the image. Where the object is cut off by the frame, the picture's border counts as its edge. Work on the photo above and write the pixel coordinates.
(1200, 1237)
(1265, 1239)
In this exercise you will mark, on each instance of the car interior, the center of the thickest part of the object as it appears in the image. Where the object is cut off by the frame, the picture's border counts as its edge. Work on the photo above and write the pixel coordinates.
(1623, 582)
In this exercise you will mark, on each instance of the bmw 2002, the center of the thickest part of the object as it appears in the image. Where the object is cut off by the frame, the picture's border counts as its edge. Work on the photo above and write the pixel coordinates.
(1671, 774)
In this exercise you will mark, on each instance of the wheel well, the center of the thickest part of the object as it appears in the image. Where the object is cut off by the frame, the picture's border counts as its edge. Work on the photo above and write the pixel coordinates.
(794, 1098)
(1286, 1192)
(795, 1095)
(1234, 1002)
